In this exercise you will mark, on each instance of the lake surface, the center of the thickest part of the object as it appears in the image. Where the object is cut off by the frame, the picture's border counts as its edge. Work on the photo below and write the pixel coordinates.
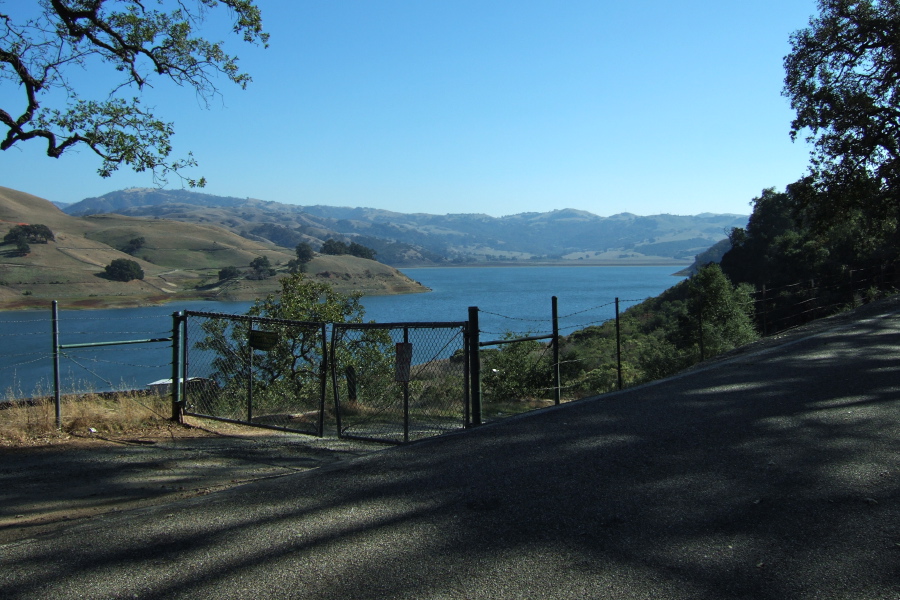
(516, 299)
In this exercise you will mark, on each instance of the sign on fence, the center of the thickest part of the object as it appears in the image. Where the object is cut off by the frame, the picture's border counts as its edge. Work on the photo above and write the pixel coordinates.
(404, 353)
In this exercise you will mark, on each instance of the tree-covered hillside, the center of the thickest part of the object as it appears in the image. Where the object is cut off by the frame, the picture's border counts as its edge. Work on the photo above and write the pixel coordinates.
(829, 241)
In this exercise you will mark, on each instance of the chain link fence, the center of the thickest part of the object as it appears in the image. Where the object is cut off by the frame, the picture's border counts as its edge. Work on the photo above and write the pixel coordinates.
(259, 371)
(399, 382)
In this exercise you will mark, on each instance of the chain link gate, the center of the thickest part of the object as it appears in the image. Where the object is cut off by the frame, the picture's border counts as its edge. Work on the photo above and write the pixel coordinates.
(255, 371)
(397, 382)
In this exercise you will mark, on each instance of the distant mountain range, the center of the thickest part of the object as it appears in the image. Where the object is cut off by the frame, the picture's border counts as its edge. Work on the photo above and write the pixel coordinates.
(401, 239)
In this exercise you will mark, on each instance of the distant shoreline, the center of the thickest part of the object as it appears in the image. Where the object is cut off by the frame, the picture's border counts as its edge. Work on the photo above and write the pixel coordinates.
(101, 303)
(574, 263)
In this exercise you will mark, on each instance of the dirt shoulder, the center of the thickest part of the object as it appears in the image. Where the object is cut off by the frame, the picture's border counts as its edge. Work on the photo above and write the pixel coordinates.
(55, 481)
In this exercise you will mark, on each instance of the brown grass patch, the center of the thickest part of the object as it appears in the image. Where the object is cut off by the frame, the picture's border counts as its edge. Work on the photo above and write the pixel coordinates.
(34, 421)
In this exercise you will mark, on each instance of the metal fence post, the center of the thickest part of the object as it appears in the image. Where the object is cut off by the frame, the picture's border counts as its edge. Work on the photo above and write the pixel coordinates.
(618, 346)
(323, 380)
(177, 407)
(557, 383)
(56, 396)
(249, 374)
(467, 387)
(474, 365)
(405, 384)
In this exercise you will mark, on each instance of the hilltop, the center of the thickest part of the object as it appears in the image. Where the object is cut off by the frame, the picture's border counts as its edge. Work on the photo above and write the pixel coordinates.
(566, 236)
(180, 260)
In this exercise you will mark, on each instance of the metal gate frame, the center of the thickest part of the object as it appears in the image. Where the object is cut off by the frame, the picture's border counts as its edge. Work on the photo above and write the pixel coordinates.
(183, 390)
(402, 369)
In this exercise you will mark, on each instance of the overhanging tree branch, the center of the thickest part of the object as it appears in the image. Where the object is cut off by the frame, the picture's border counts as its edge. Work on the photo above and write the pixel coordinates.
(37, 55)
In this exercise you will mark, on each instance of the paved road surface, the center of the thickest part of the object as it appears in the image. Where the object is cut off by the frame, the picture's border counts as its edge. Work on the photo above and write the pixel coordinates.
(772, 475)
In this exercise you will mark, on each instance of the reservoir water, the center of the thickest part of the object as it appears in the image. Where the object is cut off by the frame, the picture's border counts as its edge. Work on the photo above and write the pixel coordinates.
(516, 299)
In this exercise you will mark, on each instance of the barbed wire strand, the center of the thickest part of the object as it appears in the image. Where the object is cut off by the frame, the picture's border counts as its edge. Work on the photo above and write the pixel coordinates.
(27, 362)
(110, 384)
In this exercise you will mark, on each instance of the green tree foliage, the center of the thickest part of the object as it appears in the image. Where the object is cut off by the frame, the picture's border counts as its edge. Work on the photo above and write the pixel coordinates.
(333, 247)
(122, 269)
(304, 252)
(42, 45)
(22, 247)
(361, 251)
(36, 234)
(802, 268)
(260, 268)
(288, 375)
(516, 371)
(720, 315)
(304, 255)
(337, 248)
(230, 272)
(661, 335)
(844, 85)
(134, 245)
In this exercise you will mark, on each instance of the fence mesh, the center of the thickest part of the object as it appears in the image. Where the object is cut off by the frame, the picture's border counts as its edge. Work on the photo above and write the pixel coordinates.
(399, 382)
(516, 377)
(264, 372)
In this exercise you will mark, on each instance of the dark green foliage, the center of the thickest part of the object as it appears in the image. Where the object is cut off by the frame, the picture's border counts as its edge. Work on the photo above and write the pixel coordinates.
(134, 245)
(844, 85)
(36, 234)
(336, 248)
(304, 252)
(516, 371)
(122, 269)
(361, 251)
(719, 316)
(304, 255)
(842, 80)
(803, 268)
(137, 43)
(288, 376)
(661, 335)
(230, 272)
(260, 268)
(333, 247)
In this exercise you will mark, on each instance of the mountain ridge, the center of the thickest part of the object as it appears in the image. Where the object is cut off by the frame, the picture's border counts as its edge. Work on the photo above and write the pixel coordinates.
(420, 239)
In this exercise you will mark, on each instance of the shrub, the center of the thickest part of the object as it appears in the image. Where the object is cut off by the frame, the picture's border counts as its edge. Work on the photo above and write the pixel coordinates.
(262, 268)
(36, 234)
(122, 269)
(230, 272)
(516, 371)
(134, 245)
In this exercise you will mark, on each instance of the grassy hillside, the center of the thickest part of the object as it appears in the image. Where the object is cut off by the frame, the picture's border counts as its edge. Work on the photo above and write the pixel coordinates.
(554, 237)
(180, 260)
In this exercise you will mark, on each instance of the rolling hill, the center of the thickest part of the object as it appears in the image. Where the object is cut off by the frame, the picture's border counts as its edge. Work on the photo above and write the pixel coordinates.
(422, 239)
(179, 260)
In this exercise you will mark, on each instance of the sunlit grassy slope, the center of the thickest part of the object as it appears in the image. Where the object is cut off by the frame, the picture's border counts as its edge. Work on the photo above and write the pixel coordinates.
(180, 260)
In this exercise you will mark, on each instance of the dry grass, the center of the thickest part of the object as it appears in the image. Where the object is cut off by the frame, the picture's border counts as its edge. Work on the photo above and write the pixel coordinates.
(34, 421)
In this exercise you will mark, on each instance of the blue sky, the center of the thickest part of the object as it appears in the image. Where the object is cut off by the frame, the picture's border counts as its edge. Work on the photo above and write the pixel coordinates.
(500, 107)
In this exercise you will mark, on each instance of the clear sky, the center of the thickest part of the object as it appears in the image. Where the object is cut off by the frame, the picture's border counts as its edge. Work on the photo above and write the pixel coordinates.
(499, 107)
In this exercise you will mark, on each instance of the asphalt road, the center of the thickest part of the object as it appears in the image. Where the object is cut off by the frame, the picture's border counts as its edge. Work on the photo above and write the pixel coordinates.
(769, 475)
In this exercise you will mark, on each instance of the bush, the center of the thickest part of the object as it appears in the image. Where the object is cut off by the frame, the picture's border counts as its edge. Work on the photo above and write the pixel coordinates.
(516, 371)
(36, 234)
(122, 269)
(134, 245)
(262, 268)
(229, 273)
